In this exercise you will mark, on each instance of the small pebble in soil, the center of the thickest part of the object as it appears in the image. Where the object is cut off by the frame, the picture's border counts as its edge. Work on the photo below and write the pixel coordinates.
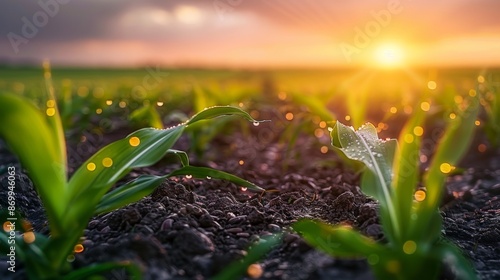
(167, 224)
(273, 227)
(237, 219)
(194, 242)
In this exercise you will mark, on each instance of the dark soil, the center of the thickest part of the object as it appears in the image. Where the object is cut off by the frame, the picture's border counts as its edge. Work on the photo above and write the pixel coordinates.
(192, 229)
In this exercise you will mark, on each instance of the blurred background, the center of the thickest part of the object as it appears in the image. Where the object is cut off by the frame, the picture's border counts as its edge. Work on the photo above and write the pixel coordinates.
(251, 34)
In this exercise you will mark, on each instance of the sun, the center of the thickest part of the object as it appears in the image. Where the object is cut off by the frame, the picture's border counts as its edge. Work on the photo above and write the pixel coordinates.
(389, 56)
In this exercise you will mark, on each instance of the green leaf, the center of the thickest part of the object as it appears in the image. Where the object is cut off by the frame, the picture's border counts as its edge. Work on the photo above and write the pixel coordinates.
(205, 172)
(183, 157)
(406, 172)
(128, 193)
(340, 241)
(364, 145)
(147, 114)
(236, 269)
(98, 269)
(54, 120)
(101, 171)
(28, 133)
(450, 149)
(88, 186)
(218, 111)
(453, 257)
(141, 148)
(314, 104)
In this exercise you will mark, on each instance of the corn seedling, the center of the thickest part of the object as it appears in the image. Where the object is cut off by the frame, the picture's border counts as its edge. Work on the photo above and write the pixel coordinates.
(410, 218)
(146, 114)
(490, 100)
(38, 141)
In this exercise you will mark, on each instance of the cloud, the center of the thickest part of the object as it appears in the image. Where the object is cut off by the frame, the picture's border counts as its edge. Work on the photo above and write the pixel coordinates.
(275, 29)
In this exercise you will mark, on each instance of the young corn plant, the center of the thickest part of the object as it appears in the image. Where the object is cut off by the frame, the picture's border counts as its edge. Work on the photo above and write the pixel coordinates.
(37, 139)
(490, 99)
(410, 218)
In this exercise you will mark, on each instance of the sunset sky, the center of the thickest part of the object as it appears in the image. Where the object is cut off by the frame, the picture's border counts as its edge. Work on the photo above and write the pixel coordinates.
(251, 33)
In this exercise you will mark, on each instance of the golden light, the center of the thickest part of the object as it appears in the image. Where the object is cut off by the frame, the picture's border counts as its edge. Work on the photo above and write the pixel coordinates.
(289, 116)
(481, 148)
(446, 167)
(254, 113)
(78, 248)
(91, 166)
(318, 132)
(458, 99)
(432, 85)
(409, 138)
(51, 112)
(255, 271)
(389, 56)
(324, 149)
(419, 195)
(418, 131)
(7, 226)
(407, 109)
(188, 14)
(134, 141)
(409, 247)
(107, 162)
(425, 106)
(29, 237)
(423, 158)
